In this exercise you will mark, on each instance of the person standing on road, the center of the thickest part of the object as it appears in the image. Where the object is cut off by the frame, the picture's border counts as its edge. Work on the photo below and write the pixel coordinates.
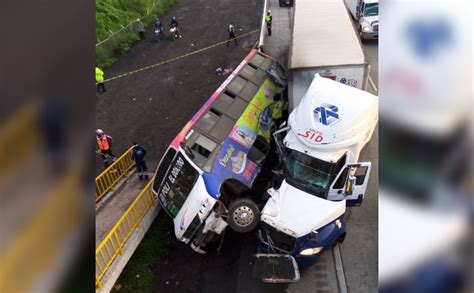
(138, 155)
(140, 29)
(268, 20)
(104, 144)
(159, 29)
(231, 31)
(99, 79)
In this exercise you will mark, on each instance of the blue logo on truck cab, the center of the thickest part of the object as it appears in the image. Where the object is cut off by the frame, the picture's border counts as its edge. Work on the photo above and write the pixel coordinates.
(326, 114)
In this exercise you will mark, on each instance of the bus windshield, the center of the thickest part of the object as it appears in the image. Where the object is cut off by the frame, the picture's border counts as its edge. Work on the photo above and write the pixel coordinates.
(307, 173)
(177, 185)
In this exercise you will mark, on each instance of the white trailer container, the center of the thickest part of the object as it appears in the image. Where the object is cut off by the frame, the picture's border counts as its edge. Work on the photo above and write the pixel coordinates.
(324, 41)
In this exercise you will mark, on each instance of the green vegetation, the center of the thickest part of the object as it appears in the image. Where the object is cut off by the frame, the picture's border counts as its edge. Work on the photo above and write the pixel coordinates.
(112, 15)
(158, 241)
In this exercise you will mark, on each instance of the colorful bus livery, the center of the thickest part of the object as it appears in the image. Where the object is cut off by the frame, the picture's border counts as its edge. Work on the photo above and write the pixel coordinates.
(204, 181)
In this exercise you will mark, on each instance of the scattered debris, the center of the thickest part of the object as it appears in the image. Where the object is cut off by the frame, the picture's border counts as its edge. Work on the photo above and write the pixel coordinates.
(221, 71)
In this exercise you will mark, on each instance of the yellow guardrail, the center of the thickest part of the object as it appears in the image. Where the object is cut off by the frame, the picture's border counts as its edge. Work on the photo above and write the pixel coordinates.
(38, 247)
(22, 132)
(113, 243)
(112, 175)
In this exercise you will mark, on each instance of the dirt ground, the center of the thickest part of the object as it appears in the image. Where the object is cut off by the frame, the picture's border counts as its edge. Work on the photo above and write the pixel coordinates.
(151, 107)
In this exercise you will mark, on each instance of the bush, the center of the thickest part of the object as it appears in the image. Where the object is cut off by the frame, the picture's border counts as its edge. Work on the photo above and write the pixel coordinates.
(113, 15)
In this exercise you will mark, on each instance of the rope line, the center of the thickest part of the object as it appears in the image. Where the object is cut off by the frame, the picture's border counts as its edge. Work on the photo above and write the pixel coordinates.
(176, 58)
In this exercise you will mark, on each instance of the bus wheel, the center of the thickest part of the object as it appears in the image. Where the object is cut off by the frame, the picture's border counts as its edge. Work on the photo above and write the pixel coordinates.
(243, 215)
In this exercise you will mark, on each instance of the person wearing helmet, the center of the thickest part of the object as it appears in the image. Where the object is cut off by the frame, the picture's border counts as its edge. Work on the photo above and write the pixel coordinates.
(140, 29)
(174, 28)
(104, 144)
(174, 22)
(268, 21)
(159, 29)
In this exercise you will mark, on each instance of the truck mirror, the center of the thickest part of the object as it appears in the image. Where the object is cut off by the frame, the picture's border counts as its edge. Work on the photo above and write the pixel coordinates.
(349, 188)
(277, 138)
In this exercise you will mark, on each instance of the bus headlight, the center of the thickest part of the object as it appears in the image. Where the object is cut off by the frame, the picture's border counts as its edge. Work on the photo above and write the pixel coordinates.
(366, 29)
(311, 251)
(338, 223)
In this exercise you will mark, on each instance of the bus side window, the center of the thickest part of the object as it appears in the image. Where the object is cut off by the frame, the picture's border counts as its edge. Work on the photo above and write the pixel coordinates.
(202, 149)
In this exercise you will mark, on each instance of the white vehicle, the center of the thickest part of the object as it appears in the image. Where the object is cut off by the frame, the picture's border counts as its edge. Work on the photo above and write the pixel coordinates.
(330, 48)
(366, 13)
(321, 172)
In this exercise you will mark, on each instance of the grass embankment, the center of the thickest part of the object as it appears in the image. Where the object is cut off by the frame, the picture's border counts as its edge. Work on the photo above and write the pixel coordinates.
(112, 15)
(138, 274)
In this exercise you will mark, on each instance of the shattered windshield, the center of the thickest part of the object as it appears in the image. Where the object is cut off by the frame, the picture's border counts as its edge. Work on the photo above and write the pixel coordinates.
(307, 173)
(178, 184)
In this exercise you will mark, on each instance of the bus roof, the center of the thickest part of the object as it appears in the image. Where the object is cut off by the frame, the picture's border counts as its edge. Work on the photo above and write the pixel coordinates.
(219, 113)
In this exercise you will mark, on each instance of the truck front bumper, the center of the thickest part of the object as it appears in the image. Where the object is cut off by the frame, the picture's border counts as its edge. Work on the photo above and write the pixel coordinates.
(369, 35)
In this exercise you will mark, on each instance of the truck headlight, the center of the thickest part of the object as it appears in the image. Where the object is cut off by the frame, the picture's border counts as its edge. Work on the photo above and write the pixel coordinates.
(338, 223)
(311, 251)
(366, 29)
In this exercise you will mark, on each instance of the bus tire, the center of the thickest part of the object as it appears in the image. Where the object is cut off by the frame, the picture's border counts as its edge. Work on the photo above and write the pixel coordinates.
(244, 215)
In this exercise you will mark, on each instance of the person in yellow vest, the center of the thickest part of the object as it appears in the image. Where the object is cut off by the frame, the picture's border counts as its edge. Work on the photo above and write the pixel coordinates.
(104, 144)
(231, 31)
(99, 78)
(268, 20)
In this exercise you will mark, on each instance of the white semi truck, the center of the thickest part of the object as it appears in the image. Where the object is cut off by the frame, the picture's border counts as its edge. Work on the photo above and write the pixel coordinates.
(320, 174)
(329, 47)
(366, 13)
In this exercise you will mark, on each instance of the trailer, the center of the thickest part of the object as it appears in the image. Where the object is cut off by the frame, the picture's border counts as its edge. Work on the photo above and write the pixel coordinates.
(329, 47)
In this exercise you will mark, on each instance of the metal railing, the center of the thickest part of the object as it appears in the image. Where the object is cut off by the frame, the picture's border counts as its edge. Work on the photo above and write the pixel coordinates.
(35, 251)
(113, 243)
(112, 175)
(22, 127)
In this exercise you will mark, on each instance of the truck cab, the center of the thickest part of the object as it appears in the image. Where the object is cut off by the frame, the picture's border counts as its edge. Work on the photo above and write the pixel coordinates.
(320, 174)
(366, 13)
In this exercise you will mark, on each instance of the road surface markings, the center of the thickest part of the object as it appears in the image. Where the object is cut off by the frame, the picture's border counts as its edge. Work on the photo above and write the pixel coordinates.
(372, 83)
(341, 279)
(176, 58)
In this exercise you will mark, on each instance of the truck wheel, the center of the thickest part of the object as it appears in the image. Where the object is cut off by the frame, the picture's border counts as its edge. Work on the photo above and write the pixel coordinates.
(243, 215)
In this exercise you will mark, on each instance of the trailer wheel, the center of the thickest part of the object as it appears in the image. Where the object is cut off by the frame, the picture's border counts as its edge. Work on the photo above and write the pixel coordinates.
(243, 215)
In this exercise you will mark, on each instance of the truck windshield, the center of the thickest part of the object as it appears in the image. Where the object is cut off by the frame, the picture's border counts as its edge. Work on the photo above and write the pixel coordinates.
(371, 9)
(411, 162)
(307, 173)
(177, 185)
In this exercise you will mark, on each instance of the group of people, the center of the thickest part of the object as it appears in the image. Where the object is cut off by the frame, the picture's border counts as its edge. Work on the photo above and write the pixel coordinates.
(160, 29)
(104, 146)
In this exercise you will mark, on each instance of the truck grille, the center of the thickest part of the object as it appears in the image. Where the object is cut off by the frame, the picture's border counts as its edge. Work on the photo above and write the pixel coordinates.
(279, 239)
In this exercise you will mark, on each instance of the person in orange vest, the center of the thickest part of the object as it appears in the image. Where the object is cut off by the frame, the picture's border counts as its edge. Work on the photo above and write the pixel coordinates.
(104, 144)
